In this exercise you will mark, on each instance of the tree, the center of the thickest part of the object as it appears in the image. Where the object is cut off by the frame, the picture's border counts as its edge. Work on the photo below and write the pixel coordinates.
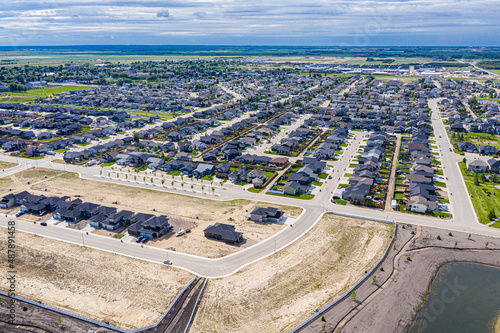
(492, 215)
(126, 176)
(192, 187)
(163, 182)
(172, 184)
(353, 295)
(374, 279)
(14, 87)
(136, 136)
(182, 185)
(151, 180)
(144, 179)
(135, 178)
(213, 190)
(476, 179)
(59, 320)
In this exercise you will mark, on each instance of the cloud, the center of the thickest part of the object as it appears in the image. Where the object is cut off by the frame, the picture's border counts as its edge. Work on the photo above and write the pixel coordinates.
(324, 22)
(200, 15)
(163, 13)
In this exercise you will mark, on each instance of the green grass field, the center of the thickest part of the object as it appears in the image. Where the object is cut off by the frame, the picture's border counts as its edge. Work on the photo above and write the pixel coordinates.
(485, 196)
(32, 94)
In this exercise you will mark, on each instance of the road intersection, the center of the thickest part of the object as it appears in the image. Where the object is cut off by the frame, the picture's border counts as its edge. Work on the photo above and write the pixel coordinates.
(464, 219)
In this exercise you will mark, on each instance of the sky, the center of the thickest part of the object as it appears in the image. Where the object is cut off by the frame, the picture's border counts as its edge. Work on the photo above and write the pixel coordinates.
(250, 22)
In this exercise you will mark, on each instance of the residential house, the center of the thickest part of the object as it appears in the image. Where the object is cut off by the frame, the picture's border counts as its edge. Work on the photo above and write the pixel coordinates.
(223, 232)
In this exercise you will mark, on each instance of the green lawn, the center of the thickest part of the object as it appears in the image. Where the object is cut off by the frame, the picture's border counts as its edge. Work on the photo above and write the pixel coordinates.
(341, 202)
(317, 183)
(84, 144)
(207, 177)
(323, 176)
(60, 150)
(254, 190)
(269, 174)
(485, 196)
(300, 196)
(399, 195)
(32, 94)
(108, 164)
(440, 184)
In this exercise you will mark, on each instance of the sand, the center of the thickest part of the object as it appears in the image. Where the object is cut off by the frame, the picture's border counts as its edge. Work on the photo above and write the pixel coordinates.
(497, 325)
(279, 292)
(184, 211)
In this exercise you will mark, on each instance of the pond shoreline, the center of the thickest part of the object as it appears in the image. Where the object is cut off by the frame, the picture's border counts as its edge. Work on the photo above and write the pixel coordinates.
(408, 283)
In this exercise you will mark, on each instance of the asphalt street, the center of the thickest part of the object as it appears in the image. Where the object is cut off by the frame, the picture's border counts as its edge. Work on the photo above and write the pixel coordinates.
(464, 216)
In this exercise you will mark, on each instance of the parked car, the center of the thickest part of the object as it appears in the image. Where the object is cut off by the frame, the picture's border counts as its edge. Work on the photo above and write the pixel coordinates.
(138, 240)
(19, 214)
(43, 224)
(167, 262)
(180, 233)
(145, 240)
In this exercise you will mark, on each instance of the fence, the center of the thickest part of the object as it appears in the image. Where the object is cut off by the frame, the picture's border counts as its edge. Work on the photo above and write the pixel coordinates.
(195, 307)
(49, 308)
(95, 322)
(168, 310)
(347, 293)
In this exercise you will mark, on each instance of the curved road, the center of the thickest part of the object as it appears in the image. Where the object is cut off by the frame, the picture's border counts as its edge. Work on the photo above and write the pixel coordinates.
(464, 216)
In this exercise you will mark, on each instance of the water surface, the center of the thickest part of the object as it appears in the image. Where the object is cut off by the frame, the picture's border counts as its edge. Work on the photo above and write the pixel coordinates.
(464, 298)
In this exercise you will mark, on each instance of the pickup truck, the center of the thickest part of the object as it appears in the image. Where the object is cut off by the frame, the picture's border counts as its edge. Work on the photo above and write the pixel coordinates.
(180, 233)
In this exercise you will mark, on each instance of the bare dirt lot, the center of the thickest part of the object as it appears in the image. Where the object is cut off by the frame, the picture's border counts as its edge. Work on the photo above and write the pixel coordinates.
(185, 212)
(408, 284)
(279, 292)
(126, 292)
(6, 165)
